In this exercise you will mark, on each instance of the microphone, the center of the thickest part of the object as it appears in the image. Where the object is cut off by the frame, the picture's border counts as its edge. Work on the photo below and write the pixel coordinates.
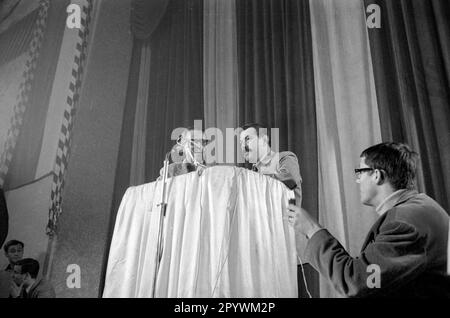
(177, 167)
(177, 153)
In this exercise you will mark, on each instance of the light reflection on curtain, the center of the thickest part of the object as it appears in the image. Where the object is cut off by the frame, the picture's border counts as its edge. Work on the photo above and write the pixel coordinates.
(220, 78)
(347, 118)
(137, 168)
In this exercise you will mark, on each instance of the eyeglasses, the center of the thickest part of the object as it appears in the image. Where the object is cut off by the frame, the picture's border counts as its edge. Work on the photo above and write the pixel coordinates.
(361, 170)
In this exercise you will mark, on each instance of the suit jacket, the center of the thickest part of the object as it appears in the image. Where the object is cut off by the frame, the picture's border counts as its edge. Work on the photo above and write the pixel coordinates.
(40, 289)
(408, 244)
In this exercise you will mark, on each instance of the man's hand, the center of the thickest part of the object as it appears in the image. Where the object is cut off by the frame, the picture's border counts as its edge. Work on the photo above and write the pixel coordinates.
(200, 170)
(15, 290)
(304, 223)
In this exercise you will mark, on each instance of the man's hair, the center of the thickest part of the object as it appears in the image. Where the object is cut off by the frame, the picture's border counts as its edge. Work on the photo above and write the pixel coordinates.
(397, 160)
(12, 243)
(29, 265)
(259, 129)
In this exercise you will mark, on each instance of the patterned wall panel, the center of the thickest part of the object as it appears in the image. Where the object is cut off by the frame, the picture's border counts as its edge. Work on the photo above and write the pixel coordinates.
(24, 90)
(64, 142)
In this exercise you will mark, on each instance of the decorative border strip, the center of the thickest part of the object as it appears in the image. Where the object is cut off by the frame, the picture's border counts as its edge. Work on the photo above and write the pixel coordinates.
(24, 90)
(65, 138)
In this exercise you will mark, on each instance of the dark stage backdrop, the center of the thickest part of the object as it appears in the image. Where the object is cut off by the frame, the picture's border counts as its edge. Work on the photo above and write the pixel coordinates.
(276, 88)
(175, 93)
(411, 61)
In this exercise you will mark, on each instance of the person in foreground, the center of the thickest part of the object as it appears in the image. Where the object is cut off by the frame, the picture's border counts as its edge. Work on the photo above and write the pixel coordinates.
(405, 251)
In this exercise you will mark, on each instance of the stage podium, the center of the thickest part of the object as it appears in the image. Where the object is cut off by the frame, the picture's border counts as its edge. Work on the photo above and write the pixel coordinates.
(224, 236)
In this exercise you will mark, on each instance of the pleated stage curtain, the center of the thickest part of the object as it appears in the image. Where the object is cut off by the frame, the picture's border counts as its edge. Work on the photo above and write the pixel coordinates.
(311, 68)
(411, 61)
(175, 96)
(220, 77)
(276, 77)
(224, 235)
(347, 119)
(165, 91)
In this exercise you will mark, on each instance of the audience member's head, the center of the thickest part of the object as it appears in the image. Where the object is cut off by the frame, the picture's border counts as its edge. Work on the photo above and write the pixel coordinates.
(397, 161)
(26, 271)
(387, 166)
(13, 251)
(193, 142)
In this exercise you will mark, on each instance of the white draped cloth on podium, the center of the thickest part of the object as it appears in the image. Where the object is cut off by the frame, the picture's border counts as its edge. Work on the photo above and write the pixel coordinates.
(225, 235)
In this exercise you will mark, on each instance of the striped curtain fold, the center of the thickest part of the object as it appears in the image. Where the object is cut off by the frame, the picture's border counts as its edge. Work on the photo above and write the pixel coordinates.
(347, 118)
(276, 76)
(220, 68)
(411, 61)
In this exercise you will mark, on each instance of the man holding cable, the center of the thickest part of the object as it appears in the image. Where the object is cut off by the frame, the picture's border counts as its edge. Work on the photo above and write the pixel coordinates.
(406, 246)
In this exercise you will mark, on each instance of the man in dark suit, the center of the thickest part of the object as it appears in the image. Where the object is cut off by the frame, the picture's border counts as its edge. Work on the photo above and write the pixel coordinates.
(405, 252)
(27, 283)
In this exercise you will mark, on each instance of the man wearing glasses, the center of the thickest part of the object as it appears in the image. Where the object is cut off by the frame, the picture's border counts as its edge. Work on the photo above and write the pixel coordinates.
(407, 245)
(187, 154)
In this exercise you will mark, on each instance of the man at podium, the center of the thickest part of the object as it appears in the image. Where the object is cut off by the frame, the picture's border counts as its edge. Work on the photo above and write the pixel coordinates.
(219, 234)
(187, 154)
(283, 166)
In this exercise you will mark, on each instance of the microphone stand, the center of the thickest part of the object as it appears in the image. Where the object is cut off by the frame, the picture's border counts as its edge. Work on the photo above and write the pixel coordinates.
(162, 215)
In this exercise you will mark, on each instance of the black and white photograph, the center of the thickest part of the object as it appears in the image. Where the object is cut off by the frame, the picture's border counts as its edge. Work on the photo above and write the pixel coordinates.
(224, 155)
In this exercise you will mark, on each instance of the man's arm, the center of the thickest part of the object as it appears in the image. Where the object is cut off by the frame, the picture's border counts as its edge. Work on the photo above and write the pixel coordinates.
(288, 172)
(398, 252)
